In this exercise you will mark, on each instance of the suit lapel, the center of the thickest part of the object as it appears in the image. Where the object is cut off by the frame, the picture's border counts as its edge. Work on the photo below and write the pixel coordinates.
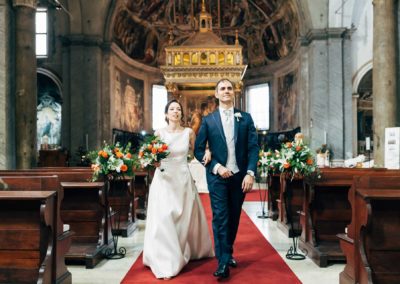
(217, 118)
(236, 124)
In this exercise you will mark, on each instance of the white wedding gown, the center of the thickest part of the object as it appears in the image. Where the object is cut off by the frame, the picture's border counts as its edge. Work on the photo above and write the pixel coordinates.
(176, 226)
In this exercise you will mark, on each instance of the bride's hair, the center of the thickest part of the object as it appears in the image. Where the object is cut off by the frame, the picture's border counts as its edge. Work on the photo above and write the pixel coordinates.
(167, 107)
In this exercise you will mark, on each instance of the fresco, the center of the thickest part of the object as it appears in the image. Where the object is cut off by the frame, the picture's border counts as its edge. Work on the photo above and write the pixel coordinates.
(48, 112)
(269, 34)
(128, 102)
(287, 102)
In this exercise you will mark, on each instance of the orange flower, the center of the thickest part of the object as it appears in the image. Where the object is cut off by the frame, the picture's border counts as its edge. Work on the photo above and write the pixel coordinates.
(286, 165)
(119, 155)
(128, 155)
(100, 152)
(269, 154)
(124, 168)
(164, 146)
(104, 154)
(309, 162)
(298, 148)
(154, 151)
(116, 150)
(150, 147)
(289, 145)
(141, 154)
(160, 150)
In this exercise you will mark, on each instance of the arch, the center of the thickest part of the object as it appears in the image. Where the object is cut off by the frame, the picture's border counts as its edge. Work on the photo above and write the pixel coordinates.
(53, 77)
(359, 75)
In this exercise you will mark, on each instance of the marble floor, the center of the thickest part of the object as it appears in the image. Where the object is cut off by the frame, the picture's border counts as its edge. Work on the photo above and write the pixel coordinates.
(113, 271)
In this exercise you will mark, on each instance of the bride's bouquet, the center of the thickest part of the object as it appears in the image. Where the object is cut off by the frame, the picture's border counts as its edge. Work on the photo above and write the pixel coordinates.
(152, 151)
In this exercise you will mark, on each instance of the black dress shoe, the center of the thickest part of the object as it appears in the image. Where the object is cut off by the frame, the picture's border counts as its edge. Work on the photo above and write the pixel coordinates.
(222, 271)
(232, 262)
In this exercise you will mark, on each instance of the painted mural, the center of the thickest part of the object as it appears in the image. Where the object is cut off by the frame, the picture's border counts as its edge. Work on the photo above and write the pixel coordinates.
(268, 30)
(128, 102)
(48, 112)
(287, 102)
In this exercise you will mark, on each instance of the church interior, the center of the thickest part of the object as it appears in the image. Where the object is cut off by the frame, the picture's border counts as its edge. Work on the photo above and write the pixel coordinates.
(76, 74)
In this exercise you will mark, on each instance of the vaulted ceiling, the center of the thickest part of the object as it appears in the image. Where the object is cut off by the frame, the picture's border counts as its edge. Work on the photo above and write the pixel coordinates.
(268, 30)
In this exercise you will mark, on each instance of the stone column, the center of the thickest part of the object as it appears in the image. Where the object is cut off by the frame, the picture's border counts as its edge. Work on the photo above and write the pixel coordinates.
(384, 74)
(25, 84)
(7, 143)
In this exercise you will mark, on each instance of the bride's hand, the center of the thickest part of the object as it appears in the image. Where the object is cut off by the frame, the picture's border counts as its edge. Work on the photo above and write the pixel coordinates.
(207, 157)
(157, 164)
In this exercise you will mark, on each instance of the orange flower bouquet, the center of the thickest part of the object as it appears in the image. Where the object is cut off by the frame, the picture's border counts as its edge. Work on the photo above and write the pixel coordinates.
(112, 161)
(152, 151)
(297, 159)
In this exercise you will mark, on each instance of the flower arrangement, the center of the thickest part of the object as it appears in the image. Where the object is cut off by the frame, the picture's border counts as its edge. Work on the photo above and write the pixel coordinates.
(238, 116)
(152, 151)
(297, 159)
(268, 163)
(112, 161)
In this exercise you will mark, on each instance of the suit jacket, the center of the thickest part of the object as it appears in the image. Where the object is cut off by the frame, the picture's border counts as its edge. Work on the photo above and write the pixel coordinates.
(246, 142)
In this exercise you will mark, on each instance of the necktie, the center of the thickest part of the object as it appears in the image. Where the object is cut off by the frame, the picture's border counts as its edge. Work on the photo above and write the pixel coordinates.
(227, 113)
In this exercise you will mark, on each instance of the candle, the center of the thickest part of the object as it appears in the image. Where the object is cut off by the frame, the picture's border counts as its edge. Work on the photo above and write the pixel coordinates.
(114, 137)
(325, 135)
(367, 143)
(87, 141)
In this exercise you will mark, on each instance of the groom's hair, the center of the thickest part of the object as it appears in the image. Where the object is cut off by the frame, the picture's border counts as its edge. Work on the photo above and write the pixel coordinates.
(220, 81)
(167, 107)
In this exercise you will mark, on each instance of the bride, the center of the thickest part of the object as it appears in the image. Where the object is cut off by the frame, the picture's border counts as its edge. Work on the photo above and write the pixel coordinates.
(176, 226)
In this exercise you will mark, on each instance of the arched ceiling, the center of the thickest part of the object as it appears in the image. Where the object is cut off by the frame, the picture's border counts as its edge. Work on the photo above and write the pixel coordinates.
(268, 29)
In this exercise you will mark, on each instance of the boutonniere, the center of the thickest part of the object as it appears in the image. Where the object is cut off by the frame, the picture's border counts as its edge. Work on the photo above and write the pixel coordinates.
(238, 116)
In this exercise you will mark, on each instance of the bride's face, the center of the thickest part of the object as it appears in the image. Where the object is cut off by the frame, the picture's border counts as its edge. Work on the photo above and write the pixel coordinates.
(174, 113)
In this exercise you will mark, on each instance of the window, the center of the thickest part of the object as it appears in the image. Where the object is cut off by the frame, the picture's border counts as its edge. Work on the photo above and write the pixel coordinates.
(257, 98)
(41, 32)
(160, 99)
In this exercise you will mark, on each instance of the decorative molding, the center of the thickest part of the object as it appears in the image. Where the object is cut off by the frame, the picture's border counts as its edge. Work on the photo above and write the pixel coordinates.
(325, 34)
(27, 3)
(82, 40)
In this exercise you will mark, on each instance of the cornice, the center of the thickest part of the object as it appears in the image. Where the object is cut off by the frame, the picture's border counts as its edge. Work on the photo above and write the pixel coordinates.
(325, 34)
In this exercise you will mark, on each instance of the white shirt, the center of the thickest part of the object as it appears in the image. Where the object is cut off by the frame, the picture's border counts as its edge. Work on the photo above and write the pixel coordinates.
(228, 125)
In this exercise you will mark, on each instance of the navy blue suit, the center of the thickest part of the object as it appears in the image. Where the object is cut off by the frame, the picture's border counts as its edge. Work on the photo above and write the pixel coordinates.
(226, 194)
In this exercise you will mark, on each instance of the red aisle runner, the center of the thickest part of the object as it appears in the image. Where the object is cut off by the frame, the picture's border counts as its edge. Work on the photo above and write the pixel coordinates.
(258, 261)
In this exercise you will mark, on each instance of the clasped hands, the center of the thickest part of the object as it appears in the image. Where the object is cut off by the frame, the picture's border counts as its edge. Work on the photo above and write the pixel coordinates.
(247, 183)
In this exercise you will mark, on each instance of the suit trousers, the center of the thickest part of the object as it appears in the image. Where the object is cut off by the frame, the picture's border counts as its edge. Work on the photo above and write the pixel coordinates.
(227, 198)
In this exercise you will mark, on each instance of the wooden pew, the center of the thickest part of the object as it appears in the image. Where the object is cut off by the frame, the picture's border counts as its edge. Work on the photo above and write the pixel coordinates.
(27, 225)
(290, 198)
(326, 211)
(120, 197)
(141, 192)
(379, 215)
(85, 209)
(274, 186)
(63, 239)
(354, 271)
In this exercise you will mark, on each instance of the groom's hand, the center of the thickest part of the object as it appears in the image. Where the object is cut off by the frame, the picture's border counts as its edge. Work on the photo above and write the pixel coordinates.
(247, 183)
(224, 172)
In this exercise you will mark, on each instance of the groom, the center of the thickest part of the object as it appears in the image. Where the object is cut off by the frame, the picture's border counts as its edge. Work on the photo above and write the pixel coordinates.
(232, 140)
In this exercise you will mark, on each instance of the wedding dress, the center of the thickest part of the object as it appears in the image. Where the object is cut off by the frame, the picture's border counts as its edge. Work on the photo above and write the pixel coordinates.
(176, 226)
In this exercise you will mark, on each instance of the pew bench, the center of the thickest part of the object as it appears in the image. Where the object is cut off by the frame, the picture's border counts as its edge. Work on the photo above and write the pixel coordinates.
(63, 238)
(326, 212)
(355, 270)
(27, 225)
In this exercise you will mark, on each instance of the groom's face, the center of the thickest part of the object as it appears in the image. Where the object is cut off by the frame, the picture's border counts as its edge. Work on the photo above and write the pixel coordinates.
(224, 93)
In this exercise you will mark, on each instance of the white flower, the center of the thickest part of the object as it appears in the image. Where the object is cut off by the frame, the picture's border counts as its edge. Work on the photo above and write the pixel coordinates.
(238, 116)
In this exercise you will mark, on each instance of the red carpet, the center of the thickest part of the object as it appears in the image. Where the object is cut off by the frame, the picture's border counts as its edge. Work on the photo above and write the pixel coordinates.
(254, 195)
(258, 261)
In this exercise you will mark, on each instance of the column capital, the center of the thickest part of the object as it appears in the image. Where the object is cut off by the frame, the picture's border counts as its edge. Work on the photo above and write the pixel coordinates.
(27, 3)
